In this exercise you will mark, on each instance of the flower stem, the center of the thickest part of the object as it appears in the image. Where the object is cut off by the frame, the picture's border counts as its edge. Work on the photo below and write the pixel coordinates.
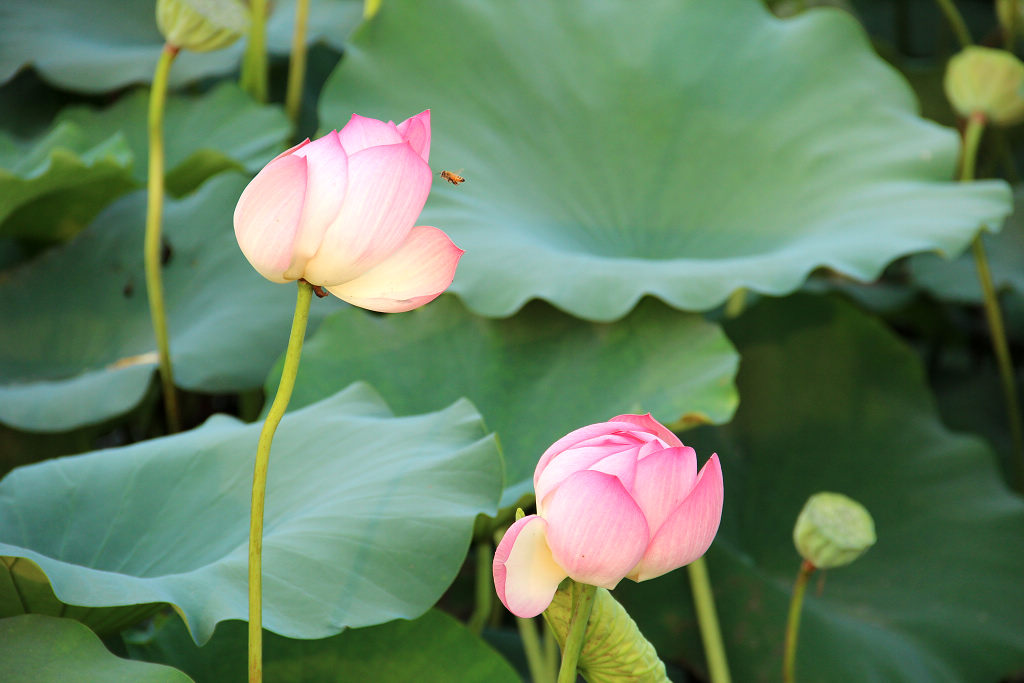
(152, 243)
(956, 22)
(259, 479)
(793, 622)
(1010, 31)
(582, 606)
(535, 661)
(484, 588)
(254, 63)
(707, 619)
(297, 65)
(972, 137)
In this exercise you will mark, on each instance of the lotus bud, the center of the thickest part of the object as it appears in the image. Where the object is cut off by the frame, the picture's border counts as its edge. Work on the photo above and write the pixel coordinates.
(202, 25)
(989, 81)
(833, 530)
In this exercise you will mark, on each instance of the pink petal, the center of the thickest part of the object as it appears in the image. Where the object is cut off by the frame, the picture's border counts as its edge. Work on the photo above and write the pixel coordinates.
(387, 188)
(609, 431)
(617, 459)
(663, 481)
(647, 423)
(416, 130)
(525, 575)
(291, 150)
(267, 216)
(595, 530)
(689, 530)
(415, 274)
(326, 180)
(362, 133)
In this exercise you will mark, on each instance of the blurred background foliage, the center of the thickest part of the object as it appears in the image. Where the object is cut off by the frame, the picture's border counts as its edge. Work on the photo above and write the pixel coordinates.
(741, 218)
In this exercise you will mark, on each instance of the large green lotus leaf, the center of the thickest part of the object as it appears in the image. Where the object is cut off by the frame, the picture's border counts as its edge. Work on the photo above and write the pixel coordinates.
(368, 518)
(957, 280)
(833, 401)
(51, 187)
(432, 649)
(99, 45)
(534, 377)
(684, 151)
(222, 128)
(39, 649)
(76, 344)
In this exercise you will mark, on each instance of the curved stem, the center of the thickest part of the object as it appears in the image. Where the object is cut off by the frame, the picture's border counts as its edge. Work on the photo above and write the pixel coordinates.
(152, 244)
(796, 605)
(582, 606)
(1003, 359)
(997, 331)
(297, 65)
(956, 22)
(254, 63)
(259, 479)
(707, 619)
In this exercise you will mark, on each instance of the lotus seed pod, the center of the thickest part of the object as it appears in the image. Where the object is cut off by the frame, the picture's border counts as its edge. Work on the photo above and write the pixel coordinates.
(833, 530)
(202, 25)
(982, 79)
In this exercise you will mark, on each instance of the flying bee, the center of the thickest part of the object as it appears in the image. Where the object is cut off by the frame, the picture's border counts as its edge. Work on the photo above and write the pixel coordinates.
(452, 177)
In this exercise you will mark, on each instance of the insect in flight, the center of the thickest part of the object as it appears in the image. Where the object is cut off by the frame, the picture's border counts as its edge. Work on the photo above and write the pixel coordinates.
(452, 177)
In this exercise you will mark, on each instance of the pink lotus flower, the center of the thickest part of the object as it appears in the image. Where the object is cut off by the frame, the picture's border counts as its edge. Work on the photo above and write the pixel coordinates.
(616, 499)
(339, 212)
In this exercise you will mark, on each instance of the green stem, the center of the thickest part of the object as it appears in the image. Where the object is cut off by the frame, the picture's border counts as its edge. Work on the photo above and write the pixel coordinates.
(997, 331)
(1002, 351)
(707, 619)
(1010, 31)
(793, 622)
(539, 672)
(259, 479)
(297, 65)
(582, 606)
(152, 244)
(956, 22)
(254, 62)
(484, 588)
(550, 651)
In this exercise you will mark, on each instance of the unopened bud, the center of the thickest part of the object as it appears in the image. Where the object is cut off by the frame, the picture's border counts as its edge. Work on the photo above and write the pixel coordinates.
(989, 81)
(833, 530)
(202, 25)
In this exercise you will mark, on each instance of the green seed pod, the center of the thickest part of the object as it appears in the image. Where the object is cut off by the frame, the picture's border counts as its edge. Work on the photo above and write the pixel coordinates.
(833, 530)
(614, 650)
(202, 25)
(986, 80)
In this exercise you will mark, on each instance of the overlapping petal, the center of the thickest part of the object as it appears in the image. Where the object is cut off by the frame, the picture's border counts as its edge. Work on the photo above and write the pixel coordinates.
(647, 424)
(414, 274)
(595, 543)
(688, 531)
(387, 188)
(525, 574)
(326, 181)
(663, 481)
(362, 133)
(416, 130)
(267, 215)
(602, 434)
